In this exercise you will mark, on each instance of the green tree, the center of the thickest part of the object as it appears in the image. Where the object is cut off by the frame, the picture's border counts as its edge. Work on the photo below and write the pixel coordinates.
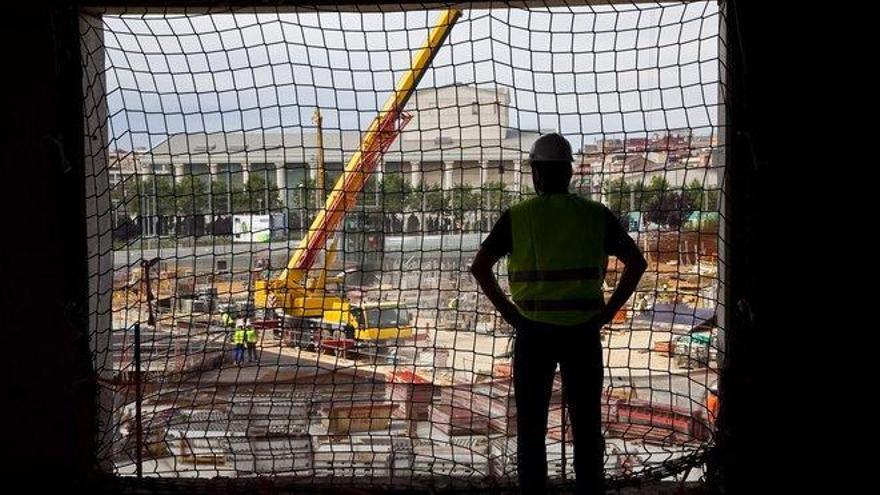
(191, 195)
(495, 197)
(667, 207)
(151, 195)
(695, 194)
(125, 197)
(713, 200)
(220, 199)
(427, 198)
(159, 195)
(303, 194)
(651, 195)
(700, 199)
(671, 211)
(618, 194)
(265, 193)
(459, 201)
(367, 196)
(240, 199)
(396, 193)
(704, 199)
(434, 198)
(258, 196)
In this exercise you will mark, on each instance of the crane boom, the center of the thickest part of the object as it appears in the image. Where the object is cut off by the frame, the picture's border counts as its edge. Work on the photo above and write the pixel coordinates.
(378, 138)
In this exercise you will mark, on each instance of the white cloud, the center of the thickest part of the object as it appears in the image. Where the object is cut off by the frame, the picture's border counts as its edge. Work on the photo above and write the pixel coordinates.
(586, 70)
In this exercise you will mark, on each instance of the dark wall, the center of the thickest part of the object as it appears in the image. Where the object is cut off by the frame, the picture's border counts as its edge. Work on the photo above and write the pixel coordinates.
(47, 388)
(771, 206)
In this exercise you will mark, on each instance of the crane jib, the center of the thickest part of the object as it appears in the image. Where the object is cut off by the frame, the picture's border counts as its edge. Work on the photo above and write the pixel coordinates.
(378, 138)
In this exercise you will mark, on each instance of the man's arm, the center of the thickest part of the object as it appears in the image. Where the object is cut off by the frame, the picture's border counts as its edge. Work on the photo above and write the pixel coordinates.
(634, 266)
(482, 272)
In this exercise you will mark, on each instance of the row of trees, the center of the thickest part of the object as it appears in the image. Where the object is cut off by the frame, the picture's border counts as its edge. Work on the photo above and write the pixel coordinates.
(395, 197)
(398, 196)
(659, 202)
(193, 195)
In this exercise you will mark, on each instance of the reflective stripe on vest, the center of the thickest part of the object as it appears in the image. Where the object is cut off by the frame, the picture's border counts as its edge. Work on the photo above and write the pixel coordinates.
(559, 305)
(554, 275)
(238, 336)
(251, 335)
(558, 259)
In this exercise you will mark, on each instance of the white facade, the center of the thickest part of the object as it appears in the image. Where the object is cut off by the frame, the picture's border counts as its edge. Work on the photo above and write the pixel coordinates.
(459, 135)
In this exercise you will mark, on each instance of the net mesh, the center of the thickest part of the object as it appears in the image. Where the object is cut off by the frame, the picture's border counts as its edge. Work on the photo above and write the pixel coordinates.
(213, 141)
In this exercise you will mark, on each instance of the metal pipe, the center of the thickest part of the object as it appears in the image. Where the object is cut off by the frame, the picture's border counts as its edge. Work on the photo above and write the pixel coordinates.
(138, 399)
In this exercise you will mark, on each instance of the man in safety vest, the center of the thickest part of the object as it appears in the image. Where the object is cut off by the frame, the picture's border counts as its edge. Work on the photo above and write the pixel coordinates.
(250, 337)
(227, 319)
(238, 340)
(558, 244)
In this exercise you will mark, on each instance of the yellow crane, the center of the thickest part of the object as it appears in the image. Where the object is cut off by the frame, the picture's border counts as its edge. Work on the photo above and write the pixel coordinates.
(317, 313)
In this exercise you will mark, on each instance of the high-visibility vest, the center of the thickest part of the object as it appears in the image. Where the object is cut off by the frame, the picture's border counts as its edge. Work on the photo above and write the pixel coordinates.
(227, 320)
(250, 335)
(238, 336)
(558, 260)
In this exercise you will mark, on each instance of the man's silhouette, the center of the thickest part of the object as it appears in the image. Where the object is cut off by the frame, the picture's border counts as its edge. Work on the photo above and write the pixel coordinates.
(558, 244)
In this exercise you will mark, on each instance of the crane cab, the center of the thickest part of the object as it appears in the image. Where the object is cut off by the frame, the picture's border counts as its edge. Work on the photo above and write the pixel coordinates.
(382, 321)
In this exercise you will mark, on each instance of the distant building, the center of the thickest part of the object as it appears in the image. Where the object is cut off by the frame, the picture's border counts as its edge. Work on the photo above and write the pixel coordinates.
(680, 158)
(459, 135)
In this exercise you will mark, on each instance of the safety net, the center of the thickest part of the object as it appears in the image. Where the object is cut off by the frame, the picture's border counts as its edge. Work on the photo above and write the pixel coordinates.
(284, 205)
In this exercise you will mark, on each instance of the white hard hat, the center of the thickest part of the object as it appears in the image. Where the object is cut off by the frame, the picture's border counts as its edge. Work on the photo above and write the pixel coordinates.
(551, 148)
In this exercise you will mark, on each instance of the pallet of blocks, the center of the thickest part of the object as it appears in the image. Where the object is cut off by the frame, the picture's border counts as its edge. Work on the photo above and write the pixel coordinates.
(413, 393)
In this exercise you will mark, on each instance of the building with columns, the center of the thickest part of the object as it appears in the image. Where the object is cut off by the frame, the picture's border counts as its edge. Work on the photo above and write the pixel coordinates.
(459, 135)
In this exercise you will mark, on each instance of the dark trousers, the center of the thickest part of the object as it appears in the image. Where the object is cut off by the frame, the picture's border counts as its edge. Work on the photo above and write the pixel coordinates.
(538, 349)
(252, 351)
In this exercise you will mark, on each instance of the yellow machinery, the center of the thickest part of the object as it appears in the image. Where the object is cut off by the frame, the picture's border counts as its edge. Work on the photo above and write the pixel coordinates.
(319, 313)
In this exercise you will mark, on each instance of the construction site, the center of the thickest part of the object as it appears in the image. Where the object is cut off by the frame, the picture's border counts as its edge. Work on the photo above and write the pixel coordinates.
(377, 356)
(324, 179)
(433, 398)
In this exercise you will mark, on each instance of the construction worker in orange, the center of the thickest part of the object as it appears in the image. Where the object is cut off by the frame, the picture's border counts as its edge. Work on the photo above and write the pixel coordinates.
(557, 246)
(712, 402)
